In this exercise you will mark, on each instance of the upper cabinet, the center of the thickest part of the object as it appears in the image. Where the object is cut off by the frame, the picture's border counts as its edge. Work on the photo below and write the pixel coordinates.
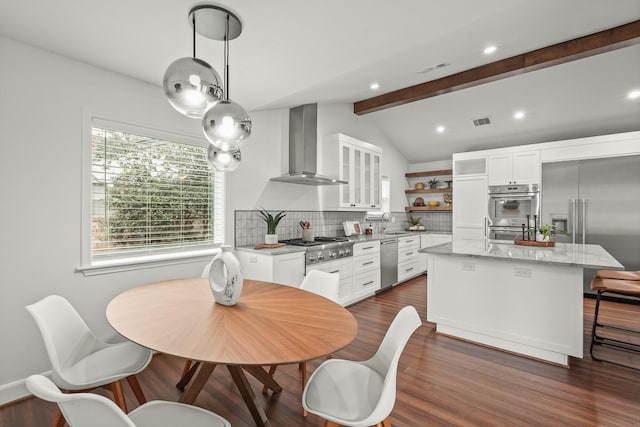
(360, 164)
(514, 168)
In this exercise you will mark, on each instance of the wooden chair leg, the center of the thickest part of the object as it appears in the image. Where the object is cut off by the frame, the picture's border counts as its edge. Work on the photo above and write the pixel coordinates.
(118, 395)
(59, 421)
(386, 422)
(328, 423)
(302, 367)
(272, 371)
(137, 390)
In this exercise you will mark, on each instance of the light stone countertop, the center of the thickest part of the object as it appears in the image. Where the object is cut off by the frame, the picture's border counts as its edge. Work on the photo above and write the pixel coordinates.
(569, 254)
(356, 239)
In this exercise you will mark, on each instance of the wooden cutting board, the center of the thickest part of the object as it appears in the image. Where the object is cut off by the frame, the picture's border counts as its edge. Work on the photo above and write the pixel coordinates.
(534, 243)
(269, 245)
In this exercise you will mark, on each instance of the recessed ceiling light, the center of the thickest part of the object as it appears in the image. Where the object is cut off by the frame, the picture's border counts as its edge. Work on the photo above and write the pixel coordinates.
(634, 94)
(490, 49)
(518, 115)
(374, 86)
(440, 129)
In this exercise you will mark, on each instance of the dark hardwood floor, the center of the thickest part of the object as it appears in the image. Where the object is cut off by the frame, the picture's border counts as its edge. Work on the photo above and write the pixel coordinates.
(441, 381)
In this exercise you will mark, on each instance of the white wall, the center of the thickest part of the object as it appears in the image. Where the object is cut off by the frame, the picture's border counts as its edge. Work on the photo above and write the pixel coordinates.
(41, 110)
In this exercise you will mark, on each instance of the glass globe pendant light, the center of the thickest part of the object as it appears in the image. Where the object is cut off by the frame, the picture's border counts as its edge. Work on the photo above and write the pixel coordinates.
(191, 85)
(223, 160)
(226, 124)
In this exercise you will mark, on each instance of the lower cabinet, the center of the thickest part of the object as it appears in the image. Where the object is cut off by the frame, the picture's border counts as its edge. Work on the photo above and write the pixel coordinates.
(345, 269)
(429, 240)
(366, 269)
(409, 259)
(285, 269)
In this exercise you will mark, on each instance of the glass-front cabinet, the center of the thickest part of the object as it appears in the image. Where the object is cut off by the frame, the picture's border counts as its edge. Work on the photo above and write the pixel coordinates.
(360, 165)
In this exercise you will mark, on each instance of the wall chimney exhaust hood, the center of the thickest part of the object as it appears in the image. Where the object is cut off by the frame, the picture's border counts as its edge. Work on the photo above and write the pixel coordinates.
(303, 148)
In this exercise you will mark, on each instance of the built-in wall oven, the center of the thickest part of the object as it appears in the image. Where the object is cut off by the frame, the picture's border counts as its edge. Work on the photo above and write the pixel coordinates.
(509, 208)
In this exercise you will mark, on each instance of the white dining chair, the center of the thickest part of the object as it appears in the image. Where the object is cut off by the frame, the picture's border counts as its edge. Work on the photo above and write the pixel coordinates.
(92, 410)
(80, 360)
(350, 393)
(320, 283)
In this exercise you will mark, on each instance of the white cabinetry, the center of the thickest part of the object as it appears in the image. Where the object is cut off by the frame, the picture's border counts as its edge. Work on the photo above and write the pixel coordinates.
(358, 163)
(344, 267)
(514, 168)
(429, 240)
(409, 264)
(366, 269)
(470, 213)
(286, 269)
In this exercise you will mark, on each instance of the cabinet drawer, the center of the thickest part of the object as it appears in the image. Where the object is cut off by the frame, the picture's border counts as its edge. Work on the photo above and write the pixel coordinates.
(344, 268)
(366, 248)
(404, 254)
(366, 262)
(366, 283)
(405, 242)
(409, 269)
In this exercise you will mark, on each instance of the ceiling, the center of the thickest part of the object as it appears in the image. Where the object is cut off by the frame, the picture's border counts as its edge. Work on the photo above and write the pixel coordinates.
(293, 52)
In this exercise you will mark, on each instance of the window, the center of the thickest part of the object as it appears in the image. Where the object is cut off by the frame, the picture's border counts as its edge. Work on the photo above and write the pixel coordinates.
(153, 196)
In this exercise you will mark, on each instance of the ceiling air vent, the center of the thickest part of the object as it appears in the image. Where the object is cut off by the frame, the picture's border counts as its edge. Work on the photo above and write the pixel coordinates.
(482, 121)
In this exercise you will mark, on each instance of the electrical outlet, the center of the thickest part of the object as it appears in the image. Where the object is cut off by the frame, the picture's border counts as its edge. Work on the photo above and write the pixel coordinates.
(522, 272)
(468, 266)
(253, 258)
(393, 219)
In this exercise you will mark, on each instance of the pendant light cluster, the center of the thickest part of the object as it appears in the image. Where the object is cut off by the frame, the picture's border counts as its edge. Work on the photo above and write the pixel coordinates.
(192, 87)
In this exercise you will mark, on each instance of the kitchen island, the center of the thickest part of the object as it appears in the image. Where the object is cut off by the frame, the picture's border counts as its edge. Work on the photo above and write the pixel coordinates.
(522, 299)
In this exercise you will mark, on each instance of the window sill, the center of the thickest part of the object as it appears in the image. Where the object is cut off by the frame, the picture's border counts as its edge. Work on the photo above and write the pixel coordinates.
(142, 262)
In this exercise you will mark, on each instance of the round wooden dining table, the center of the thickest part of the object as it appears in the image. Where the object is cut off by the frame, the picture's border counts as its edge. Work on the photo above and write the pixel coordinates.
(270, 325)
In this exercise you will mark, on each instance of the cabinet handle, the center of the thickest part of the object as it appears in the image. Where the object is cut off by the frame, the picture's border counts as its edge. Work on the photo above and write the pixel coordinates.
(367, 263)
(408, 241)
(409, 253)
(367, 248)
(409, 269)
(370, 282)
(335, 271)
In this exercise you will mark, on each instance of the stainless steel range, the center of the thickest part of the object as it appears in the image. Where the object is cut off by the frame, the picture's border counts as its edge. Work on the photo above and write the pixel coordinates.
(324, 249)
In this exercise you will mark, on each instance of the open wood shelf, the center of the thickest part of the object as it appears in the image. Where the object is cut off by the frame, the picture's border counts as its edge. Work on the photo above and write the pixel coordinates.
(429, 190)
(428, 173)
(428, 208)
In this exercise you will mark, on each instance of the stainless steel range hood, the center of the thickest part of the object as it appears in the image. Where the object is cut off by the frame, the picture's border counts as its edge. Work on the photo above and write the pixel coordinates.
(303, 148)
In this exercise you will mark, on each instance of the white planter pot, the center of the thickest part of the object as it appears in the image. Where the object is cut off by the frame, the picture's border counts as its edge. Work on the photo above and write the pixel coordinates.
(540, 238)
(271, 239)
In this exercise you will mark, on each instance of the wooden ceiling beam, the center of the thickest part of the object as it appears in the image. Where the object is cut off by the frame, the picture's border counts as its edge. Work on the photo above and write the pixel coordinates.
(582, 47)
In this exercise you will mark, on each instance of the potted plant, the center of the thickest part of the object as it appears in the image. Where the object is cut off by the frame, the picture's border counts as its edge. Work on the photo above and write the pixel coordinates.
(433, 182)
(272, 222)
(415, 223)
(545, 232)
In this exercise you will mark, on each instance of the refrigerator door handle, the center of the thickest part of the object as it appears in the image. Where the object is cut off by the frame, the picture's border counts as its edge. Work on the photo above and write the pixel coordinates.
(584, 221)
(574, 218)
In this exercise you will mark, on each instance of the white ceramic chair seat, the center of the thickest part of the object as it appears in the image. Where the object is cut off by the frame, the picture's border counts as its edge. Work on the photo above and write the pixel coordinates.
(108, 364)
(348, 390)
(361, 393)
(91, 410)
(159, 413)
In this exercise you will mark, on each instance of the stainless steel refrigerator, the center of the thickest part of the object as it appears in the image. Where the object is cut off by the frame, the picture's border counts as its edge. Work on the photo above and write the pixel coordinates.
(595, 201)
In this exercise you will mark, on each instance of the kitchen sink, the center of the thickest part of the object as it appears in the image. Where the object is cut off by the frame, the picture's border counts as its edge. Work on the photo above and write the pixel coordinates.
(395, 233)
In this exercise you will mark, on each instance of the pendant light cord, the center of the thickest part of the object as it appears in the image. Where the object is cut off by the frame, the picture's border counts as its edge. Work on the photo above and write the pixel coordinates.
(226, 60)
(193, 17)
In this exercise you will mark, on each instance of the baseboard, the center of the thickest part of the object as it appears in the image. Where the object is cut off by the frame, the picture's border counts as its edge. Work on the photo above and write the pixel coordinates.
(15, 391)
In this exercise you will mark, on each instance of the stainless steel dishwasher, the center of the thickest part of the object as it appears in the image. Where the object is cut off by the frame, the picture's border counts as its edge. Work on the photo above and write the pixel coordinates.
(388, 263)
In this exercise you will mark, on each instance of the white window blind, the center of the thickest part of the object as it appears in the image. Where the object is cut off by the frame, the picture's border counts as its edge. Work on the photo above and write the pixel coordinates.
(151, 195)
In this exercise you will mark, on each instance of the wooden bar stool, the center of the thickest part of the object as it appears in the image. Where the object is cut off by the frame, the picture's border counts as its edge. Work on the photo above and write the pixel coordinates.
(617, 283)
